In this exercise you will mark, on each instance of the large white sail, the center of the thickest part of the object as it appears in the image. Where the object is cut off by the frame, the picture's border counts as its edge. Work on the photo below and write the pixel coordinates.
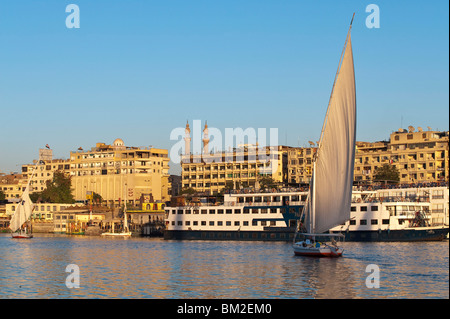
(23, 211)
(333, 173)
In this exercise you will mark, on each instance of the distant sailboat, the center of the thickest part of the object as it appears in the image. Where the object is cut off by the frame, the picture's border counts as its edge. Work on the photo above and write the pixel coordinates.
(19, 221)
(330, 191)
(125, 231)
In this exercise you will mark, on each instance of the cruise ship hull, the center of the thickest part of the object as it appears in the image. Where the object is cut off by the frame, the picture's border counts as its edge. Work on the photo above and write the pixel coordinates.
(267, 235)
(409, 234)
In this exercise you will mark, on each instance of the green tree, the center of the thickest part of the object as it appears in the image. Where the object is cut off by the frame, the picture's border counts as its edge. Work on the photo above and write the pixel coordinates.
(2, 195)
(58, 190)
(267, 182)
(387, 173)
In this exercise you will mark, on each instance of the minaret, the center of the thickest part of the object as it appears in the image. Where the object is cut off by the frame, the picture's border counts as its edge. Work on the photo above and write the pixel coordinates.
(187, 139)
(205, 139)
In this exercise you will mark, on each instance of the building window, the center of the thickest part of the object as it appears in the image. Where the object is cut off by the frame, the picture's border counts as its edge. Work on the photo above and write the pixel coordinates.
(228, 223)
(374, 221)
(385, 221)
(211, 223)
(374, 208)
(364, 208)
(363, 222)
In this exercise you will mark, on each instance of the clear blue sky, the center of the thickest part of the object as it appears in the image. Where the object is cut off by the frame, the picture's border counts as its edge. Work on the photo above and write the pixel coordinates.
(138, 69)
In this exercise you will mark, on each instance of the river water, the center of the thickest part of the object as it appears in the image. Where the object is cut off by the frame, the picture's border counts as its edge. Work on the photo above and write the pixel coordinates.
(154, 268)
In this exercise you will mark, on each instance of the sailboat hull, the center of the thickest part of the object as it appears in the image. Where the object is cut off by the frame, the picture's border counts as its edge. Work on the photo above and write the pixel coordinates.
(21, 236)
(326, 251)
(126, 234)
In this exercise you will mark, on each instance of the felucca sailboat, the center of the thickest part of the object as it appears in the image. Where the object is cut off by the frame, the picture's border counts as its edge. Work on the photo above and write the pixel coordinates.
(330, 190)
(19, 221)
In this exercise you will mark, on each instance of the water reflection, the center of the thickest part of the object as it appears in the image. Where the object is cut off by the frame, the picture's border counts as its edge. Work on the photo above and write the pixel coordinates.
(154, 268)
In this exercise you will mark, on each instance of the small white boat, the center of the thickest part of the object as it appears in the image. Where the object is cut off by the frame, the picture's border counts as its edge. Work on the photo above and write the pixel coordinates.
(330, 192)
(125, 232)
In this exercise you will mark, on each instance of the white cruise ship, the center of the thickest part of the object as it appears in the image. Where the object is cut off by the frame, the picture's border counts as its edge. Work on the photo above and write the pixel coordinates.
(401, 214)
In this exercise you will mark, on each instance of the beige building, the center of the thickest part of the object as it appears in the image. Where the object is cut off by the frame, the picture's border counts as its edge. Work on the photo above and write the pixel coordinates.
(241, 167)
(118, 172)
(12, 186)
(42, 171)
(299, 164)
(420, 156)
(238, 168)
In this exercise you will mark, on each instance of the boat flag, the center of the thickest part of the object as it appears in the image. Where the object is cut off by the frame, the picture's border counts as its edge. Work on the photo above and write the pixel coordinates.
(46, 145)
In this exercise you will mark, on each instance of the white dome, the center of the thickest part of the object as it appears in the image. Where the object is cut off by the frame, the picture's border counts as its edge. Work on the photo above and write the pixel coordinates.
(118, 142)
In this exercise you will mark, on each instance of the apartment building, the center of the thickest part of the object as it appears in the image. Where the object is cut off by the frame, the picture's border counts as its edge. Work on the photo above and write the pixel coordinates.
(12, 186)
(420, 156)
(299, 164)
(121, 173)
(240, 168)
(42, 171)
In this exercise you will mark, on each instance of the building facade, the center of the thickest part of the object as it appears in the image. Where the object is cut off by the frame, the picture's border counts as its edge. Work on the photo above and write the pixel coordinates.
(420, 156)
(120, 173)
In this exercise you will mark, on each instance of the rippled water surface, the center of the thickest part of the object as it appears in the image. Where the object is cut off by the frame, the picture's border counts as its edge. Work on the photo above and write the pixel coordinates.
(154, 268)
